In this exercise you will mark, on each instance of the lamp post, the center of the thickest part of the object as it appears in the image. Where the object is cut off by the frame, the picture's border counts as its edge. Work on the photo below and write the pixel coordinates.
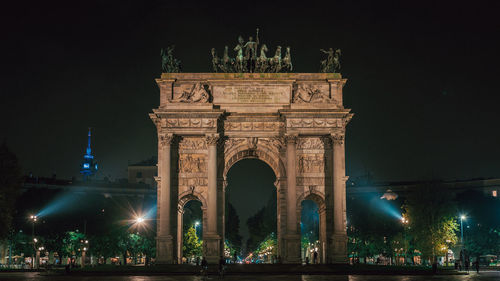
(33, 219)
(196, 224)
(462, 253)
(405, 222)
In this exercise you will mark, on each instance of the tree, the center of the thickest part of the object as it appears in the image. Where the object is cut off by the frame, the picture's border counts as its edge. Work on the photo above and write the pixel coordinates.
(191, 243)
(10, 186)
(233, 236)
(377, 235)
(481, 228)
(262, 224)
(432, 221)
(71, 245)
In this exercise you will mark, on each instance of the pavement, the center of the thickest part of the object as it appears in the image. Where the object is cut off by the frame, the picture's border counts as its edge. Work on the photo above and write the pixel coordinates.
(482, 276)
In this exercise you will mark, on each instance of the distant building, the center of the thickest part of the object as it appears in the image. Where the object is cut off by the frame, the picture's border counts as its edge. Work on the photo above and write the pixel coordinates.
(89, 165)
(489, 187)
(143, 172)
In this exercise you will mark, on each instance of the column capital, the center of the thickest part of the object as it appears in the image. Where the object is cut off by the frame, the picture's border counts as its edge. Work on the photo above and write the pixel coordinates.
(337, 138)
(291, 138)
(165, 139)
(212, 139)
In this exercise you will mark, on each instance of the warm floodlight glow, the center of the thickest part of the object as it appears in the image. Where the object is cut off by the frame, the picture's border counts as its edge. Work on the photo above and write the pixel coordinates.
(139, 220)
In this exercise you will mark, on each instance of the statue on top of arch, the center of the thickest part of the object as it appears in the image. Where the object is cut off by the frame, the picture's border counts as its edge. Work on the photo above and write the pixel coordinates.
(246, 59)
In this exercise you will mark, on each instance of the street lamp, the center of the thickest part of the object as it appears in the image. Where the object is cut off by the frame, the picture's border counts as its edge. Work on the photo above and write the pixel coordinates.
(33, 219)
(139, 220)
(462, 253)
(405, 222)
(196, 224)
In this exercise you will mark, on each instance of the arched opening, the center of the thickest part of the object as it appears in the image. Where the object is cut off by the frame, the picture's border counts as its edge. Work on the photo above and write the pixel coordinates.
(312, 214)
(251, 212)
(191, 232)
(309, 232)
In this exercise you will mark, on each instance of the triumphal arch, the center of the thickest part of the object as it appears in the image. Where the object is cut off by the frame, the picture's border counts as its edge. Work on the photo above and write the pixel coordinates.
(294, 122)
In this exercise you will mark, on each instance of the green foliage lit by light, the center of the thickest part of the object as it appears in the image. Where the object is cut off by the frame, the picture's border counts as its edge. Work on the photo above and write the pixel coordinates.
(191, 243)
(432, 221)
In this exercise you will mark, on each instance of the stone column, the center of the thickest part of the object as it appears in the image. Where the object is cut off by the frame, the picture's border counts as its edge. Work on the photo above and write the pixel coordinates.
(180, 213)
(164, 240)
(292, 238)
(339, 238)
(211, 240)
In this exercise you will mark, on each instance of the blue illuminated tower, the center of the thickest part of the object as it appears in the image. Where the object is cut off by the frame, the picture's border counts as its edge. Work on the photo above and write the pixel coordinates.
(89, 166)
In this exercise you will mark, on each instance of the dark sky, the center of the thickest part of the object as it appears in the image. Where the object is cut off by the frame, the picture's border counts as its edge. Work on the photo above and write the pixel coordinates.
(422, 77)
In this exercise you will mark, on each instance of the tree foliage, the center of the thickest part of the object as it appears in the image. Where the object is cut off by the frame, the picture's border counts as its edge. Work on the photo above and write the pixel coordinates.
(10, 186)
(233, 236)
(481, 227)
(191, 243)
(262, 224)
(432, 220)
(376, 235)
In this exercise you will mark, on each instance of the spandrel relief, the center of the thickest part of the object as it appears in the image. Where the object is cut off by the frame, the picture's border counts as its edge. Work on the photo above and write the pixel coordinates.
(309, 93)
(191, 93)
(192, 163)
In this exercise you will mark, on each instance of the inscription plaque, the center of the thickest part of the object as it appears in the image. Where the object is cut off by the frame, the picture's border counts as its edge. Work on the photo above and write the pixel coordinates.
(251, 93)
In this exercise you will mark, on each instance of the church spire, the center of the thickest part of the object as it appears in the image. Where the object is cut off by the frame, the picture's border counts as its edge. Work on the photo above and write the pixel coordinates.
(89, 166)
(89, 150)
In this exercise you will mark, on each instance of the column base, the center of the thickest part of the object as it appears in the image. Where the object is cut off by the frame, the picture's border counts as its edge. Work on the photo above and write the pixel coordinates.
(211, 247)
(292, 249)
(165, 250)
(338, 248)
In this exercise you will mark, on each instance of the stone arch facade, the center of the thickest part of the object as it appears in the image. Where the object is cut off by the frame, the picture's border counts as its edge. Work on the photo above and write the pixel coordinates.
(294, 122)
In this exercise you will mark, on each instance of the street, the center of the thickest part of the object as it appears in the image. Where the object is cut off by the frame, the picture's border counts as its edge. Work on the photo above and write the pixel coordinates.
(483, 276)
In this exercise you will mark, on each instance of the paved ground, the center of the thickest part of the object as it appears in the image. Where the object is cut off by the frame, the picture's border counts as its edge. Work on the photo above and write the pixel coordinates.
(483, 276)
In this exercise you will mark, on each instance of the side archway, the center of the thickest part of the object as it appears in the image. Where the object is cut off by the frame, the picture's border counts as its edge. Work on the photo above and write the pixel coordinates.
(185, 198)
(318, 198)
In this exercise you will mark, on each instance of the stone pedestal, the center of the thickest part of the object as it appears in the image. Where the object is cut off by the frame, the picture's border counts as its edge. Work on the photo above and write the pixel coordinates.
(211, 248)
(165, 250)
(338, 248)
(292, 249)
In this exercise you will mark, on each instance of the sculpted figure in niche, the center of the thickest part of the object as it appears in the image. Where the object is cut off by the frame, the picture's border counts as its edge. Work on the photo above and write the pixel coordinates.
(197, 94)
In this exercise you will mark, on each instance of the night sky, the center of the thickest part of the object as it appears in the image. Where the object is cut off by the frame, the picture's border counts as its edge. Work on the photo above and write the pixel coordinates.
(422, 77)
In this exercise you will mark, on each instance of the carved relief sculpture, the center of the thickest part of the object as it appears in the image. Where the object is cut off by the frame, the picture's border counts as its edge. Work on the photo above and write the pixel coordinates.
(198, 93)
(311, 163)
(192, 163)
(192, 143)
(310, 143)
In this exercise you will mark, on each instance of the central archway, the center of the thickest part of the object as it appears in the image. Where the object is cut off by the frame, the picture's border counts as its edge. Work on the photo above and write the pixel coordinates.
(251, 205)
